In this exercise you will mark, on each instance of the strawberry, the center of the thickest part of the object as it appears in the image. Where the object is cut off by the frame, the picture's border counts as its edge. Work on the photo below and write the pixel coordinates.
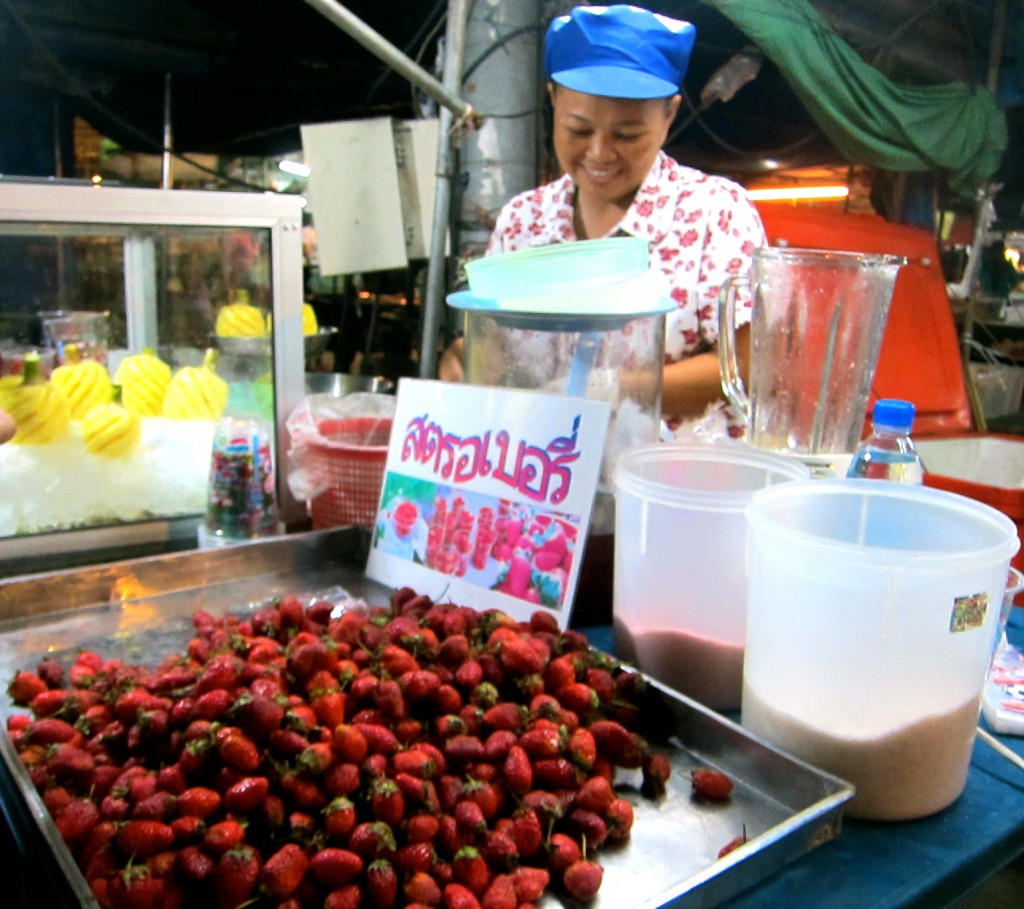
(329, 708)
(236, 876)
(141, 839)
(307, 658)
(75, 820)
(349, 896)
(238, 750)
(529, 883)
(187, 830)
(578, 697)
(446, 699)
(582, 879)
(371, 837)
(542, 740)
(315, 758)
(621, 746)
(415, 762)
(590, 827)
(51, 731)
(470, 870)
(499, 850)
(456, 896)
(563, 851)
(199, 801)
(381, 884)
(656, 771)
(24, 687)
(414, 857)
(339, 818)
(501, 894)
(341, 779)
(243, 796)
(334, 867)
(421, 828)
(421, 888)
(619, 819)
(554, 774)
(582, 748)
(156, 807)
(136, 888)
(712, 785)
(73, 765)
(223, 836)
(596, 794)
(734, 843)
(419, 684)
(193, 864)
(387, 803)
(213, 704)
(462, 749)
(527, 832)
(517, 771)
(379, 739)
(283, 872)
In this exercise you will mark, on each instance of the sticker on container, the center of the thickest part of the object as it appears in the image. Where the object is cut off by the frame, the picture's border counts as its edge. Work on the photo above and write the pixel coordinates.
(968, 612)
(487, 494)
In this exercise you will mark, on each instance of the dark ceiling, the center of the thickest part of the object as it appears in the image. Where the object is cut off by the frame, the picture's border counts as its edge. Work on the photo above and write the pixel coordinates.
(245, 74)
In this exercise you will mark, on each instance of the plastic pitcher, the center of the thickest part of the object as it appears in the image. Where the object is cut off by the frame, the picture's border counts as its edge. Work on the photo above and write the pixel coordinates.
(872, 610)
(680, 547)
(817, 325)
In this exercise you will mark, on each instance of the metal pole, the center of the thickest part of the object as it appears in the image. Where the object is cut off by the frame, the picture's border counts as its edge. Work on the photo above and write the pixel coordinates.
(446, 95)
(433, 301)
(166, 182)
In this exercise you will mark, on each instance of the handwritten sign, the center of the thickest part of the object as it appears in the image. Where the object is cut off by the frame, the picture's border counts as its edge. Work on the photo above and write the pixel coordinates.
(487, 495)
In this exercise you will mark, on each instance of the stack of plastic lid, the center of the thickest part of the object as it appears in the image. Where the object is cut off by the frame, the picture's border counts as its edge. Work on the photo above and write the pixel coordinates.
(583, 286)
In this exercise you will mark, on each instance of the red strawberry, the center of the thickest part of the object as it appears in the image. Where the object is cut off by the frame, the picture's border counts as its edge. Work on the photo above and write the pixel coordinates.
(554, 774)
(381, 884)
(414, 762)
(199, 801)
(501, 894)
(621, 746)
(213, 704)
(24, 687)
(73, 765)
(334, 867)
(596, 794)
(348, 897)
(387, 803)
(542, 740)
(712, 785)
(156, 807)
(315, 758)
(339, 818)
(329, 708)
(517, 771)
(136, 888)
(563, 852)
(527, 832)
(590, 827)
(341, 779)
(51, 731)
(656, 771)
(581, 748)
(371, 837)
(499, 850)
(193, 864)
(456, 896)
(283, 872)
(141, 839)
(187, 830)
(238, 750)
(76, 820)
(421, 828)
(462, 749)
(529, 883)
(470, 870)
(223, 836)
(582, 879)
(506, 715)
(236, 876)
(243, 796)
(734, 843)
(379, 739)
(414, 857)
(619, 819)
(258, 716)
(422, 889)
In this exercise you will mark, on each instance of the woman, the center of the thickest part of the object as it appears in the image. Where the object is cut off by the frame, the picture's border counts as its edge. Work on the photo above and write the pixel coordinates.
(614, 76)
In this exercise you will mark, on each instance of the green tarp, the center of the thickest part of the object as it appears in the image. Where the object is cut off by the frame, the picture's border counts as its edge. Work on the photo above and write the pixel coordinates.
(955, 129)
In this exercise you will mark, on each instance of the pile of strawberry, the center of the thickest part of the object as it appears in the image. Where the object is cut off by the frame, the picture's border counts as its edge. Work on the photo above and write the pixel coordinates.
(414, 755)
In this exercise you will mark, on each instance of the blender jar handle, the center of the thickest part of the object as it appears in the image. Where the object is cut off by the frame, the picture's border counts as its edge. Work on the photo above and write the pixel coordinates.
(732, 382)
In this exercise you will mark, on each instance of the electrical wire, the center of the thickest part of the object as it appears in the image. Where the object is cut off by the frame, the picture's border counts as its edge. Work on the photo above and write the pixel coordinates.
(77, 90)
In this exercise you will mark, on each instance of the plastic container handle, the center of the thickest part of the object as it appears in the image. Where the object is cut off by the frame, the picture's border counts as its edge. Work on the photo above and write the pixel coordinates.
(732, 383)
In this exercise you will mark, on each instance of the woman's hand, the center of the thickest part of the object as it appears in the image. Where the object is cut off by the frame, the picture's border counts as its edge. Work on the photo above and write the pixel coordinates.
(7, 427)
(451, 366)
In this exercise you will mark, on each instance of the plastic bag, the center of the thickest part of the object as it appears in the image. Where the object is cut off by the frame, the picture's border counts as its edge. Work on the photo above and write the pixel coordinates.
(326, 431)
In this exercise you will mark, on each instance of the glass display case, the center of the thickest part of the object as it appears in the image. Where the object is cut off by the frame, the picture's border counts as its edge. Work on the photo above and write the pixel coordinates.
(164, 289)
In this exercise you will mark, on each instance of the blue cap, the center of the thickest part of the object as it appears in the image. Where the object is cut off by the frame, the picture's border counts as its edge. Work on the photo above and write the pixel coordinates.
(892, 412)
(618, 51)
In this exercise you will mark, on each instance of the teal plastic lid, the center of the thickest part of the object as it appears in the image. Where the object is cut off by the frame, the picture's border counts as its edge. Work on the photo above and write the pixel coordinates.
(560, 268)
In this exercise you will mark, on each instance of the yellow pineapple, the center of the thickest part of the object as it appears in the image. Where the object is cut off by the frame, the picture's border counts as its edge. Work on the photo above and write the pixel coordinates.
(111, 430)
(241, 319)
(196, 392)
(310, 326)
(143, 378)
(39, 409)
(85, 383)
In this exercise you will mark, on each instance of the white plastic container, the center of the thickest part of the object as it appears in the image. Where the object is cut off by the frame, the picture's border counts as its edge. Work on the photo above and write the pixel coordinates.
(680, 542)
(872, 611)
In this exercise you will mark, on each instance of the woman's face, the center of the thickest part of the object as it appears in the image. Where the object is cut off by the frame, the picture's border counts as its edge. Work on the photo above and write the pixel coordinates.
(607, 145)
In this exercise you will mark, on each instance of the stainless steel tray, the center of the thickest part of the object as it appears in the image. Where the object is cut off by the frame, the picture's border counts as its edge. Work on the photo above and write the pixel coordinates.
(140, 611)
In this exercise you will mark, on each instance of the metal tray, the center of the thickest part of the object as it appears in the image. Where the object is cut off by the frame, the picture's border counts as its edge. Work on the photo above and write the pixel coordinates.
(140, 611)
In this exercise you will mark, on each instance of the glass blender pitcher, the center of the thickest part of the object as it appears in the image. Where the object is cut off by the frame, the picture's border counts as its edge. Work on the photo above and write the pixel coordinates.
(816, 332)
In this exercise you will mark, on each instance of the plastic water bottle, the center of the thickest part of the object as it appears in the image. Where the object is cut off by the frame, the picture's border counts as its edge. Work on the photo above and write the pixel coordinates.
(889, 452)
(241, 503)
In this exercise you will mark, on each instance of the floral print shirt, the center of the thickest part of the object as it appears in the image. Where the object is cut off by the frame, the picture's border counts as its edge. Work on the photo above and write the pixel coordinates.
(701, 230)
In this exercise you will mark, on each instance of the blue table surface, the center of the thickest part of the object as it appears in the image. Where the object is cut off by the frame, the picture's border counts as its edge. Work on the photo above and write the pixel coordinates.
(925, 863)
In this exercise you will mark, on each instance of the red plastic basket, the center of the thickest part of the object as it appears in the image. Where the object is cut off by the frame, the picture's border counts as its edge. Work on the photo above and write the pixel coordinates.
(350, 458)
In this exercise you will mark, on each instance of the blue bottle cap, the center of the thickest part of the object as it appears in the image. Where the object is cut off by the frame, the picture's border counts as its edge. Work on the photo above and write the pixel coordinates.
(893, 412)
